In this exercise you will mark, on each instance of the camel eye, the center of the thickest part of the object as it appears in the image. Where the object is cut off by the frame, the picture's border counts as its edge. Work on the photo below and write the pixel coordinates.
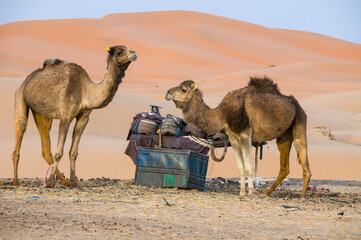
(120, 52)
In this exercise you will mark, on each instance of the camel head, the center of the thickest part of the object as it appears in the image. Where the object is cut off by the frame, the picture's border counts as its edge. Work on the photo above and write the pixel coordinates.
(183, 94)
(121, 55)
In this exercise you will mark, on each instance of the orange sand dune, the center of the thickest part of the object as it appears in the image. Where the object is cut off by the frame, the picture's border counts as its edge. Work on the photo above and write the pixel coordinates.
(219, 53)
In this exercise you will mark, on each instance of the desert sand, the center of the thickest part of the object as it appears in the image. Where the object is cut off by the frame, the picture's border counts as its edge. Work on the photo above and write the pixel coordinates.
(219, 53)
(106, 208)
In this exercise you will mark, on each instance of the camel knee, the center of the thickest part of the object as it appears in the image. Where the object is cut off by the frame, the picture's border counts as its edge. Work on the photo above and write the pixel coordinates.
(307, 174)
(21, 124)
(15, 156)
(73, 156)
(248, 171)
(298, 145)
(58, 156)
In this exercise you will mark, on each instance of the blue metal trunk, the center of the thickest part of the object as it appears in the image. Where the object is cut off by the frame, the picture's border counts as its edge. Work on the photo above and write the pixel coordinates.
(171, 168)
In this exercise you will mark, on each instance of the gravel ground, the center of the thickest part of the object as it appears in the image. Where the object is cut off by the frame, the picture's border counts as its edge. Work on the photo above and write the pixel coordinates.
(118, 209)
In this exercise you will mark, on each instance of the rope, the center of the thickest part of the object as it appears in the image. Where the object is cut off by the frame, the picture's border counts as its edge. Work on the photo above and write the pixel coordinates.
(213, 155)
(47, 171)
(174, 138)
(151, 137)
(135, 135)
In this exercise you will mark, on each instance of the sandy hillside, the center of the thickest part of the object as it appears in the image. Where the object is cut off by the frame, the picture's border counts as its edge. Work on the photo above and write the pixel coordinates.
(219, 53)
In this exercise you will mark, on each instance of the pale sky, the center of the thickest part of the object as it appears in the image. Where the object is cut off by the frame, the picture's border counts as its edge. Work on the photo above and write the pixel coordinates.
(335, 18)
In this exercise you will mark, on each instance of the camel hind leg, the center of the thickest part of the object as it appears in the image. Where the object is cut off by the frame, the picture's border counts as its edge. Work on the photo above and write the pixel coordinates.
(20, 123)
(299, 131)
(44, 126)
(284, 144)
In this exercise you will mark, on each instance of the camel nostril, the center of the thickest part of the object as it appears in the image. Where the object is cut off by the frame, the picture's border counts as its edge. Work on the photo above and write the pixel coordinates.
(169, 96)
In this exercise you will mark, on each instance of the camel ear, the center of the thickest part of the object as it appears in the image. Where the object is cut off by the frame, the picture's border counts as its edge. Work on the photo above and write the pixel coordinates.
(194, 86)
(110, 50)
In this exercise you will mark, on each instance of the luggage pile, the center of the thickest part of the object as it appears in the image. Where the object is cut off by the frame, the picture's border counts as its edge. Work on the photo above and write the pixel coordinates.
(167, 151)
(155, 131)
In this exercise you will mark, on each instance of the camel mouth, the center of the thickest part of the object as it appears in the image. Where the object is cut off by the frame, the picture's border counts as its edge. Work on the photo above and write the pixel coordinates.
(133, 57)
(169, 98)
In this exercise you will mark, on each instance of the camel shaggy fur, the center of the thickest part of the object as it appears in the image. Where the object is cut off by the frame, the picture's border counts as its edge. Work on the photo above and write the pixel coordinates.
(256, 113)
(63, 90)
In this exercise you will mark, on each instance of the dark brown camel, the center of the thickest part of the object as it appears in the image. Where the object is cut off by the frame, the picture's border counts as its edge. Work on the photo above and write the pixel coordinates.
(63, 90)
(256, 113)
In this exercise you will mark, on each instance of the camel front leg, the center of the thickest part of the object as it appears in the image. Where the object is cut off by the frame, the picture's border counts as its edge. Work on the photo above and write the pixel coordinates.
(246, 150)
(63, 130)
(240, 164)
(239, 159)
(82, 121)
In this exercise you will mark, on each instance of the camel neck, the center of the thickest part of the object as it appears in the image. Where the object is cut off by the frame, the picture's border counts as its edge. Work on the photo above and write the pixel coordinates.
(103, 93)
(202, 116)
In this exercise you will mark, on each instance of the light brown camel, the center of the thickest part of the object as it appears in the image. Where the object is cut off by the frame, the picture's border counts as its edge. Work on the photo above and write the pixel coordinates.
(256, 113)
(63, 90)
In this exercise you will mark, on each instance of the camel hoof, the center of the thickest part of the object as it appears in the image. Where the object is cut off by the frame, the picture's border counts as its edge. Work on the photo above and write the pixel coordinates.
(74, 183)
(58, 156)
(49, 184)
(269, 192)
(242, 195)
(65, 183)
(16, 182)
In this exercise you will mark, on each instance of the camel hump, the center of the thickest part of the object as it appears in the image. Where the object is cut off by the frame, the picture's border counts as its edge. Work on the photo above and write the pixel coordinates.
(53, 61)
(264, 84)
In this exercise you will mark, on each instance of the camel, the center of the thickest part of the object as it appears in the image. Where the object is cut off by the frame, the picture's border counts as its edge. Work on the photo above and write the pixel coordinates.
(255, 113)
(63, 90)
